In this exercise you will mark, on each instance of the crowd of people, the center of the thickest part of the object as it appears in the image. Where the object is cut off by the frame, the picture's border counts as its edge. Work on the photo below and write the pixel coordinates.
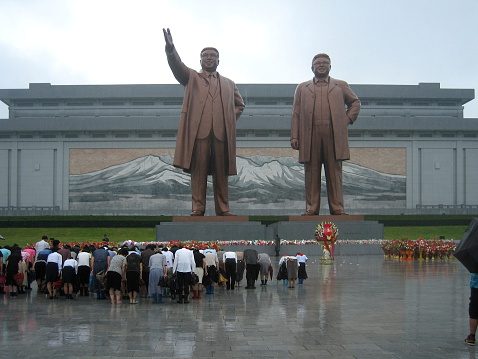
(128, 272)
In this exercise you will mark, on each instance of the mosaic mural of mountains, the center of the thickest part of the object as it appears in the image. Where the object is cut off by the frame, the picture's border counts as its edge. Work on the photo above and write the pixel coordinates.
(260, 179)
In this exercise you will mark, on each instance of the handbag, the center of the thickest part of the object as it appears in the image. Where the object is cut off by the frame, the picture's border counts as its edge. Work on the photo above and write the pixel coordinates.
(207, 280)
(194, 279)
(32, 276)
(222, 280)
(18, 278)
(58, 284)
(173, 284)
(101, 277)
(3, 279)
(163, 282)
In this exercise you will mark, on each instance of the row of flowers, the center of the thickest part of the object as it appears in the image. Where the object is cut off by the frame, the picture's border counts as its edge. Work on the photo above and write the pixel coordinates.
(257, 242)
(419, 249)
(389, 246)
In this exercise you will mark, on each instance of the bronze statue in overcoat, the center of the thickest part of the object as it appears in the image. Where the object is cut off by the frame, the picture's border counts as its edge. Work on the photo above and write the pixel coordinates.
(206, 140)
(323, 109)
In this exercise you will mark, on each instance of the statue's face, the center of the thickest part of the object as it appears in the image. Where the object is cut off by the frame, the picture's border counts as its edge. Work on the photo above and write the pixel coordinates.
(209, 60)
(321, 67)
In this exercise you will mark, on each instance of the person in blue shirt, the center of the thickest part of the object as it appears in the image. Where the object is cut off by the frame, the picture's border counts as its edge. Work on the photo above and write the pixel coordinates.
(40, 269)
(473, 309)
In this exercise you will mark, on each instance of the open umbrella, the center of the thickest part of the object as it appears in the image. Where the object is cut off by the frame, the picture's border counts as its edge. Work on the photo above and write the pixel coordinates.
(467, 250)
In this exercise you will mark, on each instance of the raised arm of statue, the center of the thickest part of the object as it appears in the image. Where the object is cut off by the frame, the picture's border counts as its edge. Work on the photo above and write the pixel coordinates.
(179, 69)
(168, 39)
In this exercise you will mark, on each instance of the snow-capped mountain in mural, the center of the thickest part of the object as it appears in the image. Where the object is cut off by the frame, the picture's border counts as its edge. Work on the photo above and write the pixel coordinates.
(260, 179)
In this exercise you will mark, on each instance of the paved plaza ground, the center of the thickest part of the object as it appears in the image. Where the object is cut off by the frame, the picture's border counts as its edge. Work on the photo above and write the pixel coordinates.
(359, 307)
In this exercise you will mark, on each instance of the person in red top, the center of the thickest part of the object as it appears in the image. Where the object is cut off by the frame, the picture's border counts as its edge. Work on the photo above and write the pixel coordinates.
(65, 252)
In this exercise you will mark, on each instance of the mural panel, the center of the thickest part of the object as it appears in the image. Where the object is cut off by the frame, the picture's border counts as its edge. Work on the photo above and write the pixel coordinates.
(268, 178)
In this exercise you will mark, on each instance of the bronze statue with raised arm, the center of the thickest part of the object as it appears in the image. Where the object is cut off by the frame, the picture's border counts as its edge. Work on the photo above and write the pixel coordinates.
(323, 109)
(206, 141)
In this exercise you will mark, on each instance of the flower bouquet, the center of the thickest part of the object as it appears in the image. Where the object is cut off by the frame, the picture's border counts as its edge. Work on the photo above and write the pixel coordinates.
(326, 233)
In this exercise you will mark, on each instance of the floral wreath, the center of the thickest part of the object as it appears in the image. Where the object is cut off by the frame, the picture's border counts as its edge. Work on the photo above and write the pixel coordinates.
(320, 234)
(327, 233)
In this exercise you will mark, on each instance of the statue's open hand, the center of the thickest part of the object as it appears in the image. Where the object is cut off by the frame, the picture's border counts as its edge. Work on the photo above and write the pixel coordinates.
(168, 39)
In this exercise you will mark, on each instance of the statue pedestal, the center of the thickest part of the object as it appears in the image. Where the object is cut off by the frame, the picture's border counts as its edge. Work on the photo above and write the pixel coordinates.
(210, 219)
(212, 228)
(350, 227)
(331, 218)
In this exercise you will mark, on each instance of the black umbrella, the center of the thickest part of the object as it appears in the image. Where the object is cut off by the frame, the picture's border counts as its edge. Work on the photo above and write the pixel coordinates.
(467, 250)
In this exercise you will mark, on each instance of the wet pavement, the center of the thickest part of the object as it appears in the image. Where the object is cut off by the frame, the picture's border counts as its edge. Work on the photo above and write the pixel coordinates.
(359, 307)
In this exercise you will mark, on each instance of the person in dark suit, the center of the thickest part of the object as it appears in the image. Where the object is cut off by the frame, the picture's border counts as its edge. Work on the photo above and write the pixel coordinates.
(206, 141)
(323, 109)
(252, 267)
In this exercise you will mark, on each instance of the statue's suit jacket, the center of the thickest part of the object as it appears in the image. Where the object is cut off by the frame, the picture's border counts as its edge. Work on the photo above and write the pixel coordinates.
(340, 95)
(196, 92)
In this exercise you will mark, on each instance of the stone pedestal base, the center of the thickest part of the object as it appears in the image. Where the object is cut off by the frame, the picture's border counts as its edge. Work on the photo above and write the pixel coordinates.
(238, 228)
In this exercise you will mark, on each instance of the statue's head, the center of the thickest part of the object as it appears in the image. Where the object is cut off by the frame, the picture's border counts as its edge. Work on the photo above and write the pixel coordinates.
(209, 59)
(321, 65)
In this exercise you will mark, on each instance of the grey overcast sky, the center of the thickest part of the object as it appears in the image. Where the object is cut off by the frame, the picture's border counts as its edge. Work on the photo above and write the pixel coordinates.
(77, 42)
